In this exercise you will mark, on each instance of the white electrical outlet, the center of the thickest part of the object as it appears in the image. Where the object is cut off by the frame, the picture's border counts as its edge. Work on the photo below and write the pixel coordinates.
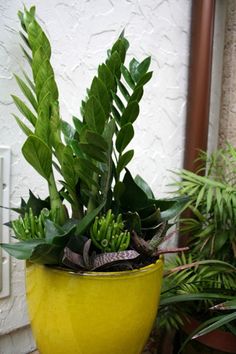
(5, 165)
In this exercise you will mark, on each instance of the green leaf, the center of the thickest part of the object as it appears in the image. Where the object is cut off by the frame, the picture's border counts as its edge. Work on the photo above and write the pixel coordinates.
(85, 173)
(24, 110)
(144, 79)
(144, 186)
(133, 197)
(116, 114)
(46, 254)
(119, 190)
(29, 81)
(94, 115)
(124, 137)
(27, 92)
(130, 113)
(93, 151)
(38, 154)
(22, 250)
(58, 235)
(124, 160)
(143, 67)
(114, 64)
(99, 90)
(219, 321)
(175, 209)
(123, 90)
(68, 169)
(78, 124)
(128, 78)
(22, 125)
(133, 68)
(120, 46)
(86, 165)
(190, 297)
(105, 74)
(87, 220)
(68, 131)
(118, 102)
(27, 56)
(137, 94)
(96, 139)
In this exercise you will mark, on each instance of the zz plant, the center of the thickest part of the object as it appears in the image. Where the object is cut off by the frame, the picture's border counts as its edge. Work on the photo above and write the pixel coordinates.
(112, 217)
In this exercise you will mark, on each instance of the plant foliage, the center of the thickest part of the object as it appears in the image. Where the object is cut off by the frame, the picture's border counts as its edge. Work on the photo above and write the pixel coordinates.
(106, 203)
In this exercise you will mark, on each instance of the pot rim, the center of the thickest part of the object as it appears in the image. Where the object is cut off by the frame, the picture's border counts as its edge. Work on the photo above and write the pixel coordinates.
(103, 275)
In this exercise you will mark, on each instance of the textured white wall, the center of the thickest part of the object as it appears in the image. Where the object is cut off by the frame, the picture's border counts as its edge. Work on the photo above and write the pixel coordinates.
(80, 33)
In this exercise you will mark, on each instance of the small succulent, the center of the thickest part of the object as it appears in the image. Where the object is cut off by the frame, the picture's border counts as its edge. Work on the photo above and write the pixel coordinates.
(30, 226)
(108, 234)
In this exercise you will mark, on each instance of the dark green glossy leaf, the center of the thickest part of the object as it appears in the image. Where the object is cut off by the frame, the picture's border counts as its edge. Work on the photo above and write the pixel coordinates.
(130, 113)
(139, 70)
(128, 78)
(133, 197)
(116, 114)
(137, 94)
(105, 74)
(124, 137)
(46, 254)
(118, 102)
(124, 160)
(38, 154)
(96, 139)
(22, 250)
(133, 68)
(120, 46)
(143, 67)
(59, 235)
(119, 190)
(177, 207)
(114, 64)
(144, 186)
(144, 79)
(99, 90)
(93, 151)
(123, 90)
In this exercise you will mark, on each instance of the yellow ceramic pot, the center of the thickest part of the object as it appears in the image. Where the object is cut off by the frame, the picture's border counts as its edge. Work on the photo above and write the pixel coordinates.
(92, 313)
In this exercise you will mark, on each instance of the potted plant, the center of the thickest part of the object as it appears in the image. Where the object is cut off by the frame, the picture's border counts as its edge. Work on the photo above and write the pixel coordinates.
(93, 246)
(206, 274)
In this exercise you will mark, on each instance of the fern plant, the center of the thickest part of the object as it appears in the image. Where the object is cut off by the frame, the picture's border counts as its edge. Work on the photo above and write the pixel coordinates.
(191, 286)
(197, 282)
(213, 206)
(91, 157)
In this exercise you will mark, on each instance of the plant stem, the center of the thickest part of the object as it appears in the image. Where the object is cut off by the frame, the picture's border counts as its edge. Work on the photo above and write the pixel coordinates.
(92, 201)
(58, 210)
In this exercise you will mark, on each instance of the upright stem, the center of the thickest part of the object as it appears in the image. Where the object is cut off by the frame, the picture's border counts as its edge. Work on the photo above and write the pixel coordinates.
(57, 207)
(92, 203)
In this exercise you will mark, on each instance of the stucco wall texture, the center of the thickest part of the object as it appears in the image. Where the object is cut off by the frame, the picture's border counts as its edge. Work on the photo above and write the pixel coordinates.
(80, 33)
(227, 129)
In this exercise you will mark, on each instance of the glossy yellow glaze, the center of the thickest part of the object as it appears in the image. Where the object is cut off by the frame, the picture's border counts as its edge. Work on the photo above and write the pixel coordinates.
(92, 313)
